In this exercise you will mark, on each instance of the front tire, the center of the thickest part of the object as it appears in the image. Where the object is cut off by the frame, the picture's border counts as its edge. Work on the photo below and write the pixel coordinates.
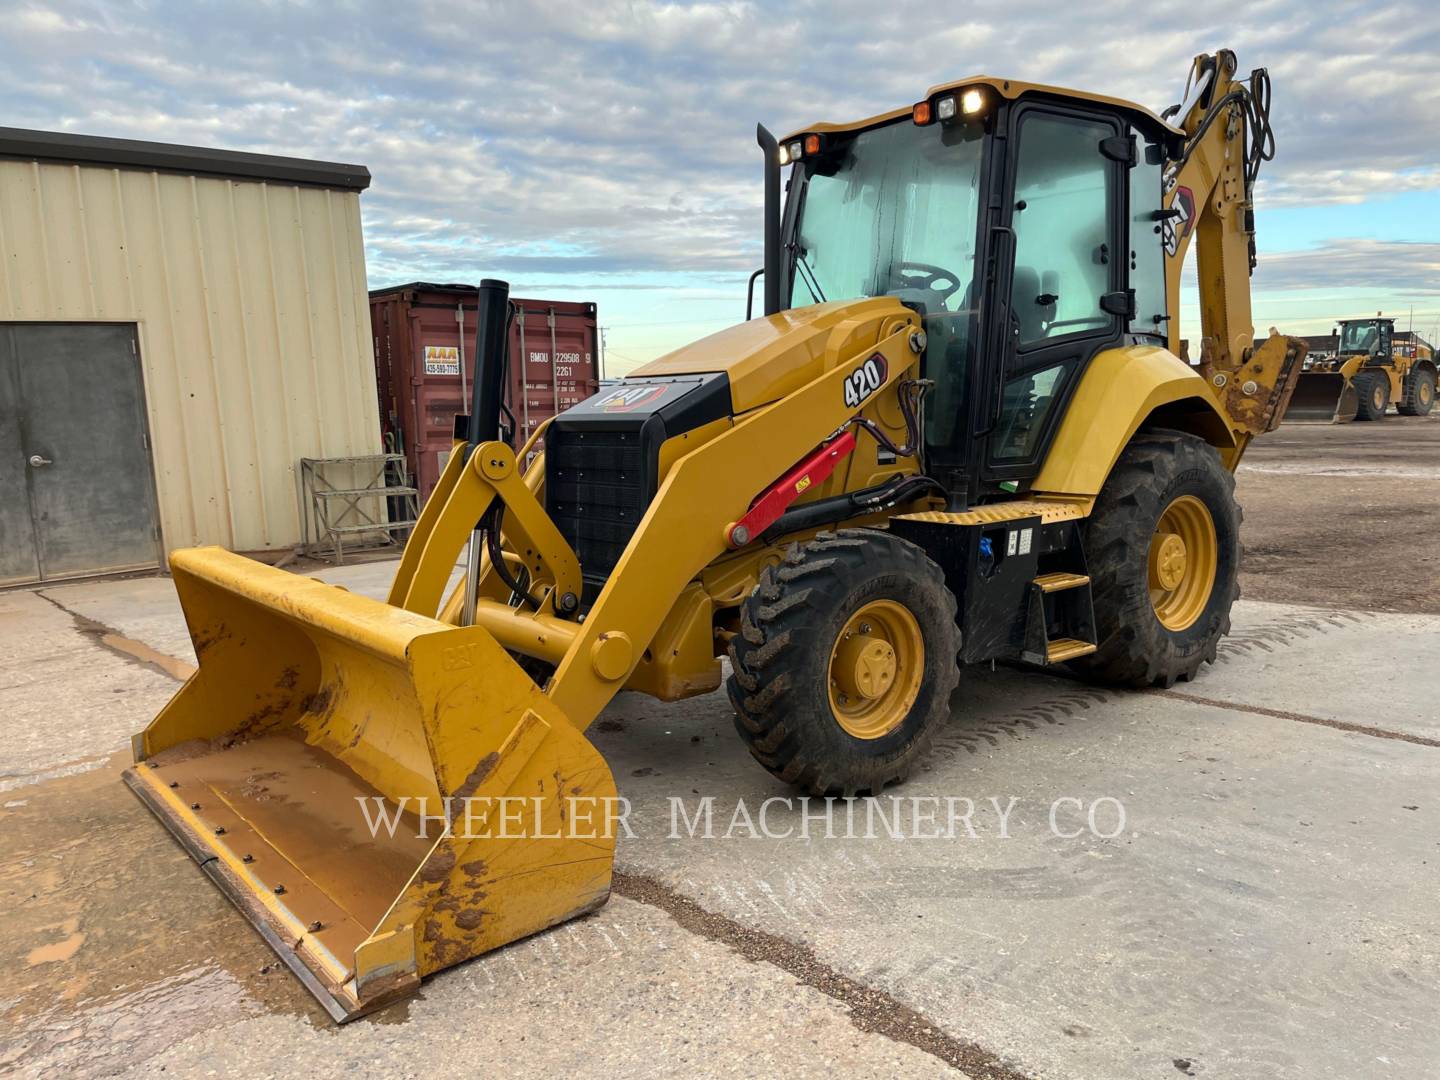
(1372, 388)
(845, 662)
(1163, 545)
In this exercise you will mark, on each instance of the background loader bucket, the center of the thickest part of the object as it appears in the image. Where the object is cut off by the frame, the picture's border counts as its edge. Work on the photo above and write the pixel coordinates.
(1323, 397)
(309, 763)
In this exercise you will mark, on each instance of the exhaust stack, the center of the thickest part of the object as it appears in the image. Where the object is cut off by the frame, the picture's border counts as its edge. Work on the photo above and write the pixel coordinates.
(771, 149)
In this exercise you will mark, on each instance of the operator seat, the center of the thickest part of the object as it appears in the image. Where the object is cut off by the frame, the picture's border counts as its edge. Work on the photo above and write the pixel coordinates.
(947, 363)
(1025, 303)
(1019, 412)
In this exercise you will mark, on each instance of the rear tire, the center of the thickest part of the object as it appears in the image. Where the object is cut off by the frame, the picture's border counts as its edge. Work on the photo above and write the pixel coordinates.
(1372, 388)
(808, 625)
(1419, 393)
(1175, 481)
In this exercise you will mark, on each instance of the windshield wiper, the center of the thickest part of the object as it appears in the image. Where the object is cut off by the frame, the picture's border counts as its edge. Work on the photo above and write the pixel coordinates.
(807, 275)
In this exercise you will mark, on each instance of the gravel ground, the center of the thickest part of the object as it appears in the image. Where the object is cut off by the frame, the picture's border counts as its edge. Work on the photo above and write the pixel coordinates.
(1343, 515)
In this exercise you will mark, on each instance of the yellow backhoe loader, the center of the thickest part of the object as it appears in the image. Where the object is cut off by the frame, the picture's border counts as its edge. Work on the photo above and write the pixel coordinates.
(959, 432)
(1369, 371)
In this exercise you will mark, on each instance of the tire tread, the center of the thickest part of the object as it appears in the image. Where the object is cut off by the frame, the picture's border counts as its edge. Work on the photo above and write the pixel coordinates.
(779, 623)
(1130, 652)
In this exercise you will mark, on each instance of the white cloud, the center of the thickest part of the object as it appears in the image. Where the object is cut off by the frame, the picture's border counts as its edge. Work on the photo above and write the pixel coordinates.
(1412, 268)
(616, 137)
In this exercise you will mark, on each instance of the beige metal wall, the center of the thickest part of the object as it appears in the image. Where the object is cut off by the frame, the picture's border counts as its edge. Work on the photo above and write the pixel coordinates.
(253, 318)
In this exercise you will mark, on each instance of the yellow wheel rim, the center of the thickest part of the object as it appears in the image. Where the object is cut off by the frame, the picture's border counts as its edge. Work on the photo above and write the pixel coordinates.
(876, 665)
(1425, 392)
(1378, 397)
(1184, 560)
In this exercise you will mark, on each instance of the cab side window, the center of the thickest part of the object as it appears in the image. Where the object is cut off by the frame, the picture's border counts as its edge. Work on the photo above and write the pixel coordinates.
(1147, 242)
(1063, 217)
(1061, 228)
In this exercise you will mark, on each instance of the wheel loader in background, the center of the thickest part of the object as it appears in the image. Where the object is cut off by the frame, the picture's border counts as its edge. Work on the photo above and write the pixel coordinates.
(1369, 371)
(960, 432)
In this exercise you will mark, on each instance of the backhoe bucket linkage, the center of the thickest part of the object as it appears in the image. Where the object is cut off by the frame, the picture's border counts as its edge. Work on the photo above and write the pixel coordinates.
(381, 794)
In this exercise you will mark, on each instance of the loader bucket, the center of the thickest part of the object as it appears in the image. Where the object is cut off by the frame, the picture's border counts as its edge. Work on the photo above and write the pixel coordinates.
(310, 762)
(1322, 397)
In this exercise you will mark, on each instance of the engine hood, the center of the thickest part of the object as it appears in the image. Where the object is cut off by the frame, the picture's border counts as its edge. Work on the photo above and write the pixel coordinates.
(766, 358)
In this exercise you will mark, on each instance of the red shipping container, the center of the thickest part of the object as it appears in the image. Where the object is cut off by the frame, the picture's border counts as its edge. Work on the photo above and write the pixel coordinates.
(425, 366)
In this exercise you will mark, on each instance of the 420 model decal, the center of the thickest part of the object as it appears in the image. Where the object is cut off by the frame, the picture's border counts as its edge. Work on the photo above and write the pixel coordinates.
(864, 381)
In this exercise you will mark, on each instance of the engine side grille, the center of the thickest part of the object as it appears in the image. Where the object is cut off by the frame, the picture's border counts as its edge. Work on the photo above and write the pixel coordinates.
(595, 491)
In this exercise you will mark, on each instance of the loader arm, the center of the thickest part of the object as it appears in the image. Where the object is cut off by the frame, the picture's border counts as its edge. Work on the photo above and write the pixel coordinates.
(316, 714)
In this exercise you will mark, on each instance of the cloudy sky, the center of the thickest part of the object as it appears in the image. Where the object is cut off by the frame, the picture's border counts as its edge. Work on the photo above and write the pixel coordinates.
(605, 150)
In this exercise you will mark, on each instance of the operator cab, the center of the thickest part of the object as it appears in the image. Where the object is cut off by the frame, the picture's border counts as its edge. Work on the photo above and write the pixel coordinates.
(1025, 225)
(1367, 337)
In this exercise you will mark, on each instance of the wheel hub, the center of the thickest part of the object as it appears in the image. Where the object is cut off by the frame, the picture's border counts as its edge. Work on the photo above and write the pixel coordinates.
(876, 667)
(1167, 561)
(1183, 563)
(865, 668)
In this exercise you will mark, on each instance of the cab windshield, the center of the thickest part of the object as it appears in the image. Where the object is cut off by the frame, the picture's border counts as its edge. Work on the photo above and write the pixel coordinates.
(893, 211)
(1360, 337)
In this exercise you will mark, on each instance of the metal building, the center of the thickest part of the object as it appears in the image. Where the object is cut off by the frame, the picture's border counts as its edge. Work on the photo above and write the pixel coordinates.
(178, 326)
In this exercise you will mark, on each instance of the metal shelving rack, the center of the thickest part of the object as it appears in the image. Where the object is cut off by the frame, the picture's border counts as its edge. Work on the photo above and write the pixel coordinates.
(384, 508)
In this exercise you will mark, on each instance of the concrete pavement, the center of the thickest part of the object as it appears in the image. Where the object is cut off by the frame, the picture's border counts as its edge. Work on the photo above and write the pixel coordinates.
(1264, 907)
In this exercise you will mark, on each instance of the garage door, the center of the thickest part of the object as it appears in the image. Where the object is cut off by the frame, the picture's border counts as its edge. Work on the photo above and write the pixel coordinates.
(75, 473)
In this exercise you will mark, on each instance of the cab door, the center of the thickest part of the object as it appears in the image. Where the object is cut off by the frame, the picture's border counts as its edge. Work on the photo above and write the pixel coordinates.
(1062, 295)
(1385, 351)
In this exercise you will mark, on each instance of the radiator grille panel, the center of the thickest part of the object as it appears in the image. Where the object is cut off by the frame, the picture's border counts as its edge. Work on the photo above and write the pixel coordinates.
(596, 494)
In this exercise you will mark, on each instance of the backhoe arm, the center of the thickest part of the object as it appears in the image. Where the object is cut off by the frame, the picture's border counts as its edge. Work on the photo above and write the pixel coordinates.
(1209, 193)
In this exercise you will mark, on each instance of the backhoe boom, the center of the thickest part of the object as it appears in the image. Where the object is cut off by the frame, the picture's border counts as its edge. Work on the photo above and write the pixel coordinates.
(1209, 201)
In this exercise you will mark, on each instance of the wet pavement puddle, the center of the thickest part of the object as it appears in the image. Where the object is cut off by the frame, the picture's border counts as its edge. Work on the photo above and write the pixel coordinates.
(117, 946)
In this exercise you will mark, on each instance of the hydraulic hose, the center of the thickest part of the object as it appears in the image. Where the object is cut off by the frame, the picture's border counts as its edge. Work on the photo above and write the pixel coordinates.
(871, 500)
(491, 525)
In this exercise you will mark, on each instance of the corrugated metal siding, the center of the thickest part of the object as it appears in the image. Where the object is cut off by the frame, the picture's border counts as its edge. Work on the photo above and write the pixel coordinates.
(253, 317)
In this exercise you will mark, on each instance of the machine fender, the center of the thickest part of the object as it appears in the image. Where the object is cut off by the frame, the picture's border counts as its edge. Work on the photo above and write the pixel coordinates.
(1119, 390)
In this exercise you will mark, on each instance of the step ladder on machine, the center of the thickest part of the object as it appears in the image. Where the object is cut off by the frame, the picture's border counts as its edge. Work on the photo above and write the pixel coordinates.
(1060, 624)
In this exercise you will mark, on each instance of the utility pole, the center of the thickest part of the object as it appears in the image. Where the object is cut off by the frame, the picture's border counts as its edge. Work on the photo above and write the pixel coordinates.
(603, 329)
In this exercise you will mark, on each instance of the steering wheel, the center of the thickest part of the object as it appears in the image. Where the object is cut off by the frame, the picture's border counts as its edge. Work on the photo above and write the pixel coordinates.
(907, 275)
